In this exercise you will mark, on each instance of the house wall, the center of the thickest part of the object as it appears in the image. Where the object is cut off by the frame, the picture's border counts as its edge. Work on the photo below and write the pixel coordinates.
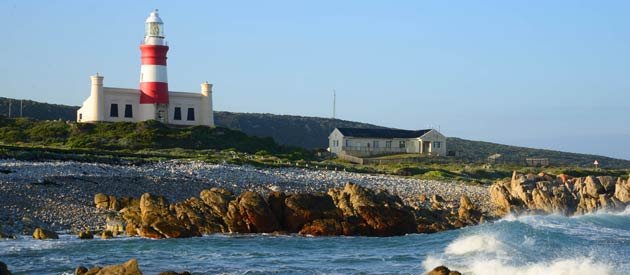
(435, 136)
(94, 109)
(365, 147)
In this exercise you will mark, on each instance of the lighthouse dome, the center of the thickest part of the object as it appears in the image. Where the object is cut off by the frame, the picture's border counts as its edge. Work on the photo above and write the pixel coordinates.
(154, 17)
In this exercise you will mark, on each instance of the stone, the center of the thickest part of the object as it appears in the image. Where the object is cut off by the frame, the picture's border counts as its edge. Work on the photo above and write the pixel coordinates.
(218, 199)
(86, 235)
(4, 270)
(256, 214)
(301, 209)
(156, 218)
(443, 270)
(101, 200)
(323, 227)
(128, 268)
(622, 190)
(196, 215)
(44, 234)
(593, 187)
(107, 235)
(80, 270)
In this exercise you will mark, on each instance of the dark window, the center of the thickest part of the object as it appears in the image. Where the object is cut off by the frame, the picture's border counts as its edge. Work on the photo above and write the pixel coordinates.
(178, 113)
(402, 144)
(191, 114)
(128, 110)
(113, 110)
(80, 116)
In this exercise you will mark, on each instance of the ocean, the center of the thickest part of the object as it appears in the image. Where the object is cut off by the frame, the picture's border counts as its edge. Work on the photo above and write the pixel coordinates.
(589, 244)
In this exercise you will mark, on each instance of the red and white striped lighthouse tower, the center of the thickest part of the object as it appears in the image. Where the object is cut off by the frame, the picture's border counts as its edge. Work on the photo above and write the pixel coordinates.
(153, 77)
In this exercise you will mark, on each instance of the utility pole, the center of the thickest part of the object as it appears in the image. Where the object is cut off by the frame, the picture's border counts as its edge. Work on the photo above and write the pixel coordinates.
(21, 106)
(9, 108)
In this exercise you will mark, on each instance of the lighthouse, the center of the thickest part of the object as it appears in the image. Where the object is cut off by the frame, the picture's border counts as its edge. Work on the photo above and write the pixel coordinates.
(153, 100)
(153, 77)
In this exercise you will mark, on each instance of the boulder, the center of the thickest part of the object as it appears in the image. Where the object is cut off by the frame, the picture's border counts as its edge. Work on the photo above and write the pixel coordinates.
(86, 235)
(593, 187)
(107, 235)
(80, 270)
(277, 206)
(156, 218)
(301, 209)
(217, 199)
(101, 200)
(4, 270)
(44, 234)
(622, 190)
(376, 213)
(256, 214)
(195, 214)
(323, 227)
(128, 268)
(442, 270)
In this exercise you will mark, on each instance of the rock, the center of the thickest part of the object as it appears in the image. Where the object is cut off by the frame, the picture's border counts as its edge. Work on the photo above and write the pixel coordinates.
(156, 218)
(80, 270)
(86, 235)
(437, 201)
(101, 200)
(174, 273)
(379, 213)
(593, 187)
(107, 235)
(196, 215)
(256, 214)
(44, 234)
(442, 270)
(622, 190)
(565, 195)
(276, 204)
(301, 209)
(323, 227)
(4, 270)
(128, 268)
(467, 211)
(218, 199)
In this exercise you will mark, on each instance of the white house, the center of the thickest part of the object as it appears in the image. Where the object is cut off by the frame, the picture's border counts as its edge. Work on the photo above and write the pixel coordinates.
(152, 100)
(360, 142)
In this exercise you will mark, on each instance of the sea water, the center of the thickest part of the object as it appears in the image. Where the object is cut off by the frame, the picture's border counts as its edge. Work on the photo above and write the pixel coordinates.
(590, 244)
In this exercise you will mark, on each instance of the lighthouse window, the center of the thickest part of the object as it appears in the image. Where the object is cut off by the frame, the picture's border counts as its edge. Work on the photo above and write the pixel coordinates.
(113, 110)
(191, 114)
(128, 110)
(178, 113)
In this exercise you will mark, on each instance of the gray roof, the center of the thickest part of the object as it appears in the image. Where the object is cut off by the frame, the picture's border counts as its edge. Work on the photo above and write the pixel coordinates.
(381, 133)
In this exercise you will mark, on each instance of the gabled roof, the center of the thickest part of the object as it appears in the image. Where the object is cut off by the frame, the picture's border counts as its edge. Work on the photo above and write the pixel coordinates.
(381, 133)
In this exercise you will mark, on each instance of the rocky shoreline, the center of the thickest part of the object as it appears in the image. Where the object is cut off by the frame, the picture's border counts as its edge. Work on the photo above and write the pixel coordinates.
(60, 195)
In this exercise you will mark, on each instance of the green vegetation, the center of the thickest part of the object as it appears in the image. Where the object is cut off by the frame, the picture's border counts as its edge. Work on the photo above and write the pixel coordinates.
(29, 138)
(304, 132)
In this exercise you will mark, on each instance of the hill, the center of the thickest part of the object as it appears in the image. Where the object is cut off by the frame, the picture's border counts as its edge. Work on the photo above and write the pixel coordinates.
(312, 132)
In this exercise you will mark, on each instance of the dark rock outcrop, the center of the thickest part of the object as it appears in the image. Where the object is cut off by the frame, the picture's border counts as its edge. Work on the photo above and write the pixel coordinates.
(4, 270)
(352, 210)
(544, 193)
(44, 234)
(128, 268)
(443, 270)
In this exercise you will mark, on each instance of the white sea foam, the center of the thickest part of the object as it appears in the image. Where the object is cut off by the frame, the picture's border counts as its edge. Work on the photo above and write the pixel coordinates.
(559, 267)
(474, 243)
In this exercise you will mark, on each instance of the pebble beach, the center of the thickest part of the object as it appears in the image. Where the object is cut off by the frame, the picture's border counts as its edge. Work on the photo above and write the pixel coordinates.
(60, 194)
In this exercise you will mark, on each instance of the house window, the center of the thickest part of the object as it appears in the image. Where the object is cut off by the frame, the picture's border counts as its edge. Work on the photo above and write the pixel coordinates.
(80, 117)
(347, 143)
(191, 114)
(437, 144)
(128, 110)
(335, 143)
(178, 113)
(376, 145)
(401, 144)
(388, 144)
(113, 110)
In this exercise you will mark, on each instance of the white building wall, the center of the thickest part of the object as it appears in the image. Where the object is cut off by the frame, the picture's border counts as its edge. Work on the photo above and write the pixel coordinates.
(98, 108)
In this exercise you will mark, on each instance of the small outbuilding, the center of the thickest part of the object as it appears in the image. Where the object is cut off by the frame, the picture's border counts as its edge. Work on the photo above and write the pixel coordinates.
(365, 142)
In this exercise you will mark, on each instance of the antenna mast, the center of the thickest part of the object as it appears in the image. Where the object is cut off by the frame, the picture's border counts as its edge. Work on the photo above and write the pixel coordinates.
(334, 104)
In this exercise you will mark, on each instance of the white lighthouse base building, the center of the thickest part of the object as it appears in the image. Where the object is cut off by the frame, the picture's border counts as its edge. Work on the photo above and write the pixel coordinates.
(120, 104)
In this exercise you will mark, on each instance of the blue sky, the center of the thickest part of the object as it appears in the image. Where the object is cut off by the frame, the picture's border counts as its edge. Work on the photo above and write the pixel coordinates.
(544, 74)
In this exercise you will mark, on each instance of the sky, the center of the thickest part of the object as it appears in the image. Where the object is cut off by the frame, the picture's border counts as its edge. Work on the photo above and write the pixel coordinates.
(542, 74)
